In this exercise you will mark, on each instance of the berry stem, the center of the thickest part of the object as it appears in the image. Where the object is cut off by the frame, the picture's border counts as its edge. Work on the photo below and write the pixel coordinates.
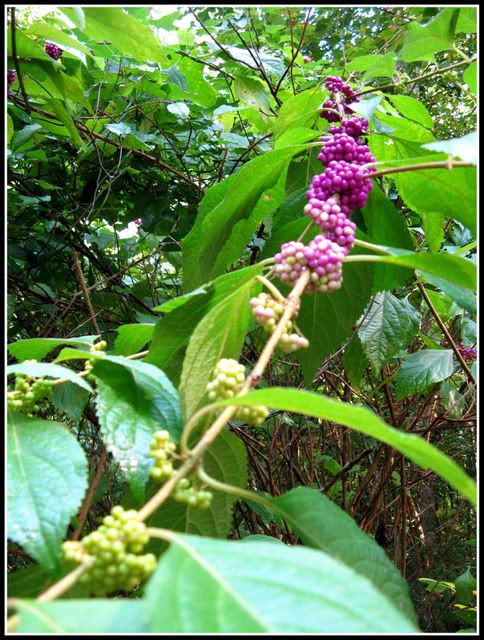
(65, 584)
(371, 247)
(190, 425)
(272, 288)
(231, 489)
(215, 429)
(418, 78)
(443, 164)
(305, 232)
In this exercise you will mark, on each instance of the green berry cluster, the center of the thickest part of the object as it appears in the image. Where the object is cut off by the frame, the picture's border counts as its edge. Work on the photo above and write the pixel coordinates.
(162, 449)
(268, 312)
(98, 348)
(187, 493)
(28, 392)
(114, 550)
(227, 380)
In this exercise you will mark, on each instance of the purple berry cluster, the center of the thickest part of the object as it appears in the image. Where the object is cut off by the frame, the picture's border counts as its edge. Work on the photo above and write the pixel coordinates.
(346, 179)
(342, 96)
(341, 146)
(332, 198)
(336, 226)
(353, 126)
(53, 50)
(468, 354)
(290, 261)
(336, 85)
(11, 76)
(323, 257)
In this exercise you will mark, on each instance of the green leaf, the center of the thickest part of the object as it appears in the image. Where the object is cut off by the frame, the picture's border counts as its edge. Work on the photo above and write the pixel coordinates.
(172, 332)
(220, 334)
(10, 129)
(467, 21)
(252, 92)
(47, 479)
(259, 537)
(464, 148)
(423, 369)
(323, 525)
(52, 33)
(461, 295)
(457, 270)
(296, 136)
(76, 14)
(92, 616)
(366, 108)
(375, 65)
(327, 320)
(231, 214)
(71, 399)
(28, 582)
(433, 193)
(262, 587)
(470, 77)
(412, 108)
(465, 585)
(442, 303)
(226, 461)
(119, 128)
(125, 33)
(41, 369)
(422, 41)
(437, 586)
(21, 137)
(363, 420)
(386, 226)
(179, 109)
(388, 327)
(37, 348)
(26, 47)
(355, 361)
(197, 89)
(132, 338)
(134, 399)
(299, 111)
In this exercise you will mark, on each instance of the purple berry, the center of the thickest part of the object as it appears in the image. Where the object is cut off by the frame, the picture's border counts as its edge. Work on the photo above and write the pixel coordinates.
(290, 261)
(325, 259)
(11, 76)
(341, 146)
(52, 50)
(336, 226)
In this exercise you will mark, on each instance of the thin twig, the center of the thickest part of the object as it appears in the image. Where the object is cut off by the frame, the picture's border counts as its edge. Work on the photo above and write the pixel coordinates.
(85, 292)
(446, 333)
(418, 78)
(90, 494)
(28, 108)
